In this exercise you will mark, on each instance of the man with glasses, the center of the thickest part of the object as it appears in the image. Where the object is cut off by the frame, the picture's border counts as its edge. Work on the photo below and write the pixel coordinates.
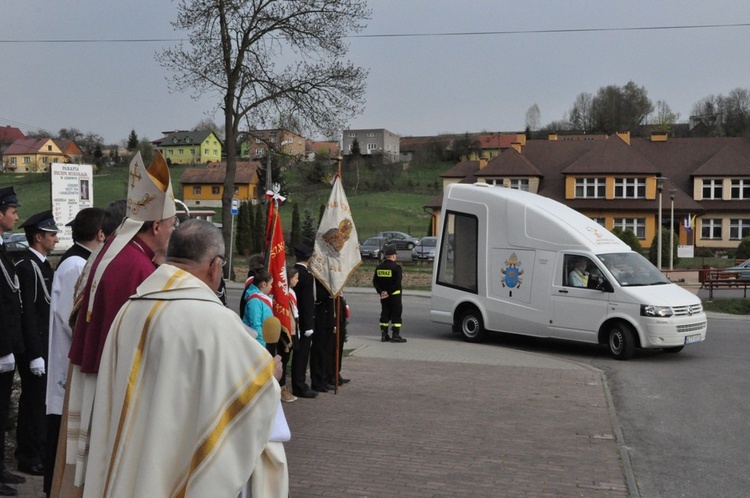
(128, 257)
(182, 385)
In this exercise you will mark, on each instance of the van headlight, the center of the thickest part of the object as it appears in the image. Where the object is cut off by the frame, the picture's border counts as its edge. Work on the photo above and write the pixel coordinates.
(658, 311)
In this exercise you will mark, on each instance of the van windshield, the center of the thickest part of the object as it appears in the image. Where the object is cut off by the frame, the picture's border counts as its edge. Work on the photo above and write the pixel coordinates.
(631, 269)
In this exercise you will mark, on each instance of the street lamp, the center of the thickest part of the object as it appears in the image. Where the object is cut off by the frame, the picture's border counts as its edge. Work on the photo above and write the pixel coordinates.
(659, 187)
(672, 192)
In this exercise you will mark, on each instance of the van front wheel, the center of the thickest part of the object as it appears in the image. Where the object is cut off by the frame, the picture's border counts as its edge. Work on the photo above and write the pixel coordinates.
(621, 341)
(471, 325)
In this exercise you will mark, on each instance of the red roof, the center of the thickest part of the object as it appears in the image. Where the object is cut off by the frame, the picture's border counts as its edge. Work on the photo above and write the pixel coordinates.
(214, 173)
(9, 134)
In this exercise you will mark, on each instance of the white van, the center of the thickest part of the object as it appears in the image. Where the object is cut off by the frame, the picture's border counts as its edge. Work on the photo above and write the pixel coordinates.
(512, 261)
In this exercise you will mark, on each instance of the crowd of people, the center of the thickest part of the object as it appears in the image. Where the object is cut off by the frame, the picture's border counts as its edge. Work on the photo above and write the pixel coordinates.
(131, 338)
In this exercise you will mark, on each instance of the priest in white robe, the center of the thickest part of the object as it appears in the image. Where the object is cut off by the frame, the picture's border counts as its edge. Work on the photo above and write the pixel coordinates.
(186, 398)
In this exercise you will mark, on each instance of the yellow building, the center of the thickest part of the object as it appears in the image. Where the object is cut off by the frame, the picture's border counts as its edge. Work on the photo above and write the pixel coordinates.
(190, 147)
(32, 155)
(204, 187)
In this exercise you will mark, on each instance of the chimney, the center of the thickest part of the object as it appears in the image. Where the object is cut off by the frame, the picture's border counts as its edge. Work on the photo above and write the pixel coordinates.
(625, 136)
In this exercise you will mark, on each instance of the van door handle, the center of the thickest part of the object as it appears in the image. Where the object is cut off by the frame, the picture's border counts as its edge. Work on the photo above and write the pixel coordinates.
(563, 291)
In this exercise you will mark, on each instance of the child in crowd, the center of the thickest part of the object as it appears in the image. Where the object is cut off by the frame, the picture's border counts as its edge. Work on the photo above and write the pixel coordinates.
(258, 302)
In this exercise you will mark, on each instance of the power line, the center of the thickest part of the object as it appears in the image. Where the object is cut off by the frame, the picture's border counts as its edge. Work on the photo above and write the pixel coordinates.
(413, 35)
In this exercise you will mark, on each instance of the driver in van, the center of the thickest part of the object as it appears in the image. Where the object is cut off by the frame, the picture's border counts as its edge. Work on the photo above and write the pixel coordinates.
(579, 277)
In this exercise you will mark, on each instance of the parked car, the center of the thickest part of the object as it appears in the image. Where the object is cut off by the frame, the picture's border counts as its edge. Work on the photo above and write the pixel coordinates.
(742, 270)
(15, 243)
(400, 239)
(425, 249)
(373, 247)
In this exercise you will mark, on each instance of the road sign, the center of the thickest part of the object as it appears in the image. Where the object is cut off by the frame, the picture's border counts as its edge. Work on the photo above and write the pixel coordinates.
(235, 207)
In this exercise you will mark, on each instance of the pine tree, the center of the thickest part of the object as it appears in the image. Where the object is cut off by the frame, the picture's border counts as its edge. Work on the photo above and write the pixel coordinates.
(132, 141)
(308, 228)
(260, 230)
(296, 229)
(244, 229)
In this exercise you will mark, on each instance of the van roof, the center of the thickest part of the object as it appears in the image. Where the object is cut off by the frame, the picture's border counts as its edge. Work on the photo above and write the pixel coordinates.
(547, 223)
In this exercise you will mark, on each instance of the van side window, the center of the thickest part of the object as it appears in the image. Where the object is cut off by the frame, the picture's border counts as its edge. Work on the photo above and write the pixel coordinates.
(577, 270)
(457, 262)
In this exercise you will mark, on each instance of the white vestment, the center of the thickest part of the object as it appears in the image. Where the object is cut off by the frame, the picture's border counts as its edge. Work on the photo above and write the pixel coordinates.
(185, 399)
(60, 334)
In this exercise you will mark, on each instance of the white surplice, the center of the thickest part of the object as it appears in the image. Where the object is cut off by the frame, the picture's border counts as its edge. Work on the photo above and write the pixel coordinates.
(185, 399)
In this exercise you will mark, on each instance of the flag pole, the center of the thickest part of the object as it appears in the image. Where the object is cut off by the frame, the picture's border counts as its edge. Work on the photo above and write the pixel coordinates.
(337, 314)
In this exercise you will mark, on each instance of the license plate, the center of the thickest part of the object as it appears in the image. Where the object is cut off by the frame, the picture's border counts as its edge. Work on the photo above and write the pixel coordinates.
(692, 339)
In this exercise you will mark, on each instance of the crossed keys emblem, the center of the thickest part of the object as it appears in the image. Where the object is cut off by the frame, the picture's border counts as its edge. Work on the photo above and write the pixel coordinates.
(134, 207)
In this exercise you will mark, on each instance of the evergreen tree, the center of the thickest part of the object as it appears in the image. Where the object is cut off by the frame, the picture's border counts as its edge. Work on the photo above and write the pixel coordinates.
(653, 251)
(296, 233)
(629, 237)
(132, 141)
(244, 229)
(356, 151)
(260, 230)
(308, 228)
(743, 249)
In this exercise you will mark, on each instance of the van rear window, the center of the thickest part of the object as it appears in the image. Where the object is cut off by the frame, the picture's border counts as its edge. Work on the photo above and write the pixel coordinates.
(457, 262)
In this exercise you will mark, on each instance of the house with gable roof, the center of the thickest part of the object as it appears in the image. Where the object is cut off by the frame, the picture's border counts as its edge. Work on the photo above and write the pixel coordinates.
(8, 135)
(32, 155)
(189, 147)
(616, 182)
(204, 187)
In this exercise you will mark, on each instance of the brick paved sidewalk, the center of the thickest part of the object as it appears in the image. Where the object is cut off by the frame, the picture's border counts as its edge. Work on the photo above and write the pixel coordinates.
(406, 428)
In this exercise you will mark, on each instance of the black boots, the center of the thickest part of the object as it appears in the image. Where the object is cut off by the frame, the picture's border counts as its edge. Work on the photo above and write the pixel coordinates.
(384, 337)
(397, 335)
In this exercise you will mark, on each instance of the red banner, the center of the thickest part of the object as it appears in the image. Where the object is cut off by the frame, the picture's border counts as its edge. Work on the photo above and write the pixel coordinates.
(276, 257)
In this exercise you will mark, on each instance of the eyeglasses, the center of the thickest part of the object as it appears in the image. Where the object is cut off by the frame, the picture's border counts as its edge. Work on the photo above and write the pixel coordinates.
(223, 261)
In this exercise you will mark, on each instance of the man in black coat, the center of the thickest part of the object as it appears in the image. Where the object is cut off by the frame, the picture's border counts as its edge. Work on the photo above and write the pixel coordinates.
(35, 276)
(323, 347)
(305, 290)
(11, 340)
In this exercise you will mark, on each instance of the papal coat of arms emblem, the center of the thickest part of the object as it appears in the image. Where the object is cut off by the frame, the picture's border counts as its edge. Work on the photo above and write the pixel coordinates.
(512, 272)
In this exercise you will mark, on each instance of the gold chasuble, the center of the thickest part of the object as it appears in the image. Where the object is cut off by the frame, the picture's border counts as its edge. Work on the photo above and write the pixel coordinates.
(185, 398)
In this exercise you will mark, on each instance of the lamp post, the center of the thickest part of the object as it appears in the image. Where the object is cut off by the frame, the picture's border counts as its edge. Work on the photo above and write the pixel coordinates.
(659, 187)
(672, 192)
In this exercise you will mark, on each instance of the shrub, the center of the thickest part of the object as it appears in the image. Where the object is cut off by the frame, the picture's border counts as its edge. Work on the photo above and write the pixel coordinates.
(743, 249)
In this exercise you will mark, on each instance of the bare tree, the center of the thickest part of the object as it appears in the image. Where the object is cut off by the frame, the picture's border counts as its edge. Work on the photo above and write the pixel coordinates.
(663, 117)
(533, 118)
(209, 124)
(582, 113)
(265, 58)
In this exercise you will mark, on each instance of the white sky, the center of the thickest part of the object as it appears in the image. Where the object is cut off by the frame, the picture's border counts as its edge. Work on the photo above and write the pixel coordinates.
(416, 85)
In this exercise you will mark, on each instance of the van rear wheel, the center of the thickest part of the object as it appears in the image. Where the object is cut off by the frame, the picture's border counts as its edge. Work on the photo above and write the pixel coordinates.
(471, 325)
(621, 341)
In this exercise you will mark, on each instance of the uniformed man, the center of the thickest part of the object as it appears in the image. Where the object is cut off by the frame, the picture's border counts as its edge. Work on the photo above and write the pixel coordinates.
(35, 276)
(11, 339)
(387, 282)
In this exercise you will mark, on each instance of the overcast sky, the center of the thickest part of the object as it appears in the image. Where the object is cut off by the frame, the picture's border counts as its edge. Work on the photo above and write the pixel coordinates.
(416, 86)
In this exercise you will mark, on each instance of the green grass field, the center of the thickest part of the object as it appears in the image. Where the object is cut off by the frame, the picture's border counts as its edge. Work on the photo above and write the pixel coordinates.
(399, 209)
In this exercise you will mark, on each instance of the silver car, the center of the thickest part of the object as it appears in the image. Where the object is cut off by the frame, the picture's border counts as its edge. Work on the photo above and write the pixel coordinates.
(424, 250)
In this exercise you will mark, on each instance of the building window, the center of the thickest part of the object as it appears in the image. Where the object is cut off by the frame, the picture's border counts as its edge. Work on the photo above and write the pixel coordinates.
(180, 152)
(171, 152)
(739, 228)
(192, 152)
(215, 190)
(236, 190)
(630, 188)
(371, 147)
(216, 152)
(258, 141)
(590, 188)
(520, 184)
(45, 159)
(26, 160)
(272, 140)
(491, 181)
(741, 189)
(636, 225)
(370, 134)
(49, 148)
(12, 160)
(352, 135)
(712, 188)
(711, 228)
(601, 221)
(196, 191)
(259, 151)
